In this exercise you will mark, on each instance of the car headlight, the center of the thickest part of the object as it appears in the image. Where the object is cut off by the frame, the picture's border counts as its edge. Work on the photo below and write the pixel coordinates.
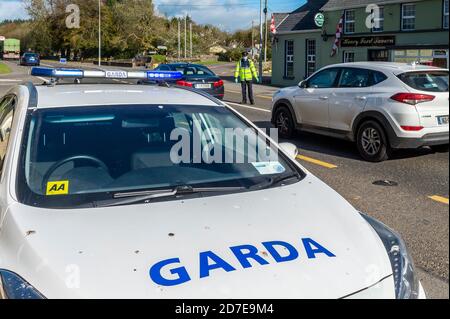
(13, 286)
(406, 282)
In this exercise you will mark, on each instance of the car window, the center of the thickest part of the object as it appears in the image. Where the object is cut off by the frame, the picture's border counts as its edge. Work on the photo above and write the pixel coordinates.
(324, 79)
(163, 68)
(196, 70)
(378, 77)
(83, 154)
(354, 78)
(6, 119)
(430, 81)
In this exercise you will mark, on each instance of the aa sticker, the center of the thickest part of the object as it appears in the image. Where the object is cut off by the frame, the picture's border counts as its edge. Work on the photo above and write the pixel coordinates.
(58, 188)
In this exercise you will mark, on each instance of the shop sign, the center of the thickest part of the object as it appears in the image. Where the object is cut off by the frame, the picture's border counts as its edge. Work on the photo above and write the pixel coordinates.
(319, 19)
(369, 41)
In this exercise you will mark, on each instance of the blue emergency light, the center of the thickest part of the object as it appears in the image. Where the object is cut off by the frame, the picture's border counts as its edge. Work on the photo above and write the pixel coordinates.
(60, 73)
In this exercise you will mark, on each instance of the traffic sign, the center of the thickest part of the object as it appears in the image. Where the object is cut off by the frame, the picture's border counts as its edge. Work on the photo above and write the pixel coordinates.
(63, 61)
(2, 38)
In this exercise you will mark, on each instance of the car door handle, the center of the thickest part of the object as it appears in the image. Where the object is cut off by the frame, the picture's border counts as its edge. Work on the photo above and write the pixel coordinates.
(361, 98)
(323, 97)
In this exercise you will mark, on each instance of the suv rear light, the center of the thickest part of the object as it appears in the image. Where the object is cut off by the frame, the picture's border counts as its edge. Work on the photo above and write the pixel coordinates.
(412, 128)
(185, 83)
(412, 98)
(218, 84)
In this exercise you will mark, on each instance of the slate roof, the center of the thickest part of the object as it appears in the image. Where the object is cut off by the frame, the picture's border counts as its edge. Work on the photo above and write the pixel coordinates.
(302, 18)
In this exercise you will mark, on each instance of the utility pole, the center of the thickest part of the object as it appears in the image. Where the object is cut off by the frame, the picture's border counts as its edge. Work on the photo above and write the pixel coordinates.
(253, 36)
(179, 39)
(185, 37)
(265, 31)
(190, 37)
(99, 33)
(260, 43)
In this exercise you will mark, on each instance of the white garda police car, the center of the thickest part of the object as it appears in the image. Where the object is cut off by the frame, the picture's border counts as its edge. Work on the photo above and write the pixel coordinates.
(93, 204)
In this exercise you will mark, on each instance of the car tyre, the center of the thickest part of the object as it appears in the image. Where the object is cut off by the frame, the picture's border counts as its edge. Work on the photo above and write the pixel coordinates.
(284, 122)
(372, 142)
(440, 148)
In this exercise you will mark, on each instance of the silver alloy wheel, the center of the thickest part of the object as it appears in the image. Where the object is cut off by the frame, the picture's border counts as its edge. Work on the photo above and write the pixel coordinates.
(283, 122)
(371, 141)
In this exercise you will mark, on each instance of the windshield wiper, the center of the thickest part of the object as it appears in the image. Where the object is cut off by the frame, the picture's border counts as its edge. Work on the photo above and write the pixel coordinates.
(272, 181)
(137, 197)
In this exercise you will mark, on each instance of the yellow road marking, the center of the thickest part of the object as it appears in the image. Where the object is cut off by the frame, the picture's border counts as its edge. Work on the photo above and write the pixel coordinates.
(439, 199)
(315, 161)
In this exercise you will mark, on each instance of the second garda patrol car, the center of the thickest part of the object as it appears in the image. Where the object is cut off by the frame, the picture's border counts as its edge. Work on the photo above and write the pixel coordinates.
(93, 205)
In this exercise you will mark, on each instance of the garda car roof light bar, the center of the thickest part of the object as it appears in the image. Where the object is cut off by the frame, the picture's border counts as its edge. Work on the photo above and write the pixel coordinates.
(61, 73)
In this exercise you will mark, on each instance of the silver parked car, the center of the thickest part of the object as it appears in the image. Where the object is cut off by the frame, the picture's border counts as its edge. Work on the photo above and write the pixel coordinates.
(379, 105)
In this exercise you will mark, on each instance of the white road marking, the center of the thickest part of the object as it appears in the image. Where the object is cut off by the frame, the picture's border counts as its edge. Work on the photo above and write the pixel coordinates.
(10, 80)
(249, 107)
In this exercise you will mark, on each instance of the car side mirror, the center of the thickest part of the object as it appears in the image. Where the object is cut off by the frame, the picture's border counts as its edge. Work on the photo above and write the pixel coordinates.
(290, 149)
(303, 84)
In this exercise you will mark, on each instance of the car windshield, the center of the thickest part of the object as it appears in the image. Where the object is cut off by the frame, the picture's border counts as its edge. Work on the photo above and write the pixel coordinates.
(430, 81)
(74, 156)
(30, 55)
(195, 70)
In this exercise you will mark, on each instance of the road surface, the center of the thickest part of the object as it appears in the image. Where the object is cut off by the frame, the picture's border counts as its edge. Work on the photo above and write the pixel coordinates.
(417, 207)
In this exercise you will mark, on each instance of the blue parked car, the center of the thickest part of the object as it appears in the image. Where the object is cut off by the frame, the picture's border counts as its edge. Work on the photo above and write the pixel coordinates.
(29, 58)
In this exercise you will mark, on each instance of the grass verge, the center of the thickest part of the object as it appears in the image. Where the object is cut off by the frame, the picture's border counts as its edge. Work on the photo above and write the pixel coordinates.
(4, 69)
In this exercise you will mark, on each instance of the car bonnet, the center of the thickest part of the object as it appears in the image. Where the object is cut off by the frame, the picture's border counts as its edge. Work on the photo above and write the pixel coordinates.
(187, 248)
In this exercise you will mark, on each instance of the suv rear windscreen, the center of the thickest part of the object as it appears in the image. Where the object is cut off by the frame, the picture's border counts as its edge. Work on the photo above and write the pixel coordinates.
(430, 81)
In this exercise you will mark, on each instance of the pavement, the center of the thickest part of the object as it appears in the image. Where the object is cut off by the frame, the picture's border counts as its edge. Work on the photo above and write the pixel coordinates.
(417, 207)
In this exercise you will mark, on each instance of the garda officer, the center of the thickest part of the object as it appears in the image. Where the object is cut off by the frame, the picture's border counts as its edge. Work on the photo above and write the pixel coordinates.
(245, 72)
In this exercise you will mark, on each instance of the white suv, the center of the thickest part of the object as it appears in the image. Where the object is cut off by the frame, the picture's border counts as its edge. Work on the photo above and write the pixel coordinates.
(379, 105)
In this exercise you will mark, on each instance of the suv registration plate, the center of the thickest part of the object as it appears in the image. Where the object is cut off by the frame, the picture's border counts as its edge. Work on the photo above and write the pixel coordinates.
(442, 120)
(203, 86)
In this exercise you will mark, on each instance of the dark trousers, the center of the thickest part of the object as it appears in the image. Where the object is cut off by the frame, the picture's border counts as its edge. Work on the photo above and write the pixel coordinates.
(245, 85)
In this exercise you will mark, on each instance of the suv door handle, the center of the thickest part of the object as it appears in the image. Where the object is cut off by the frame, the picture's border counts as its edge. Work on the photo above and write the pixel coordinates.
(361, 98)
(323, 97)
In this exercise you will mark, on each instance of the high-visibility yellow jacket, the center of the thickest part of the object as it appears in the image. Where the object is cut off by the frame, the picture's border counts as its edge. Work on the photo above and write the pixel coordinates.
(246, 70)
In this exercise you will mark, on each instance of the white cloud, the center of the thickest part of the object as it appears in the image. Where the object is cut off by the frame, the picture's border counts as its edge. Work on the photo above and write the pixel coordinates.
(12, 9)
(225, 14)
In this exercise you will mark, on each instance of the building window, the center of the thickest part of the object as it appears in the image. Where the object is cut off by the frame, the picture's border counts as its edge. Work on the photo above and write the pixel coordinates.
(349, 57)
(445, 24)
(310, 57)
(408, 17)
(438, 58)
(378, 21)
(349, 21)
(289, 59)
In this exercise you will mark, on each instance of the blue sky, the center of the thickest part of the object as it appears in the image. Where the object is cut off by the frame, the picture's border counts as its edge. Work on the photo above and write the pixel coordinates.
(227, 14)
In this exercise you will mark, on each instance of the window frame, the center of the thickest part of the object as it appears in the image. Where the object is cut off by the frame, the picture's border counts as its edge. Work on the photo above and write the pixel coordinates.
(349, 22)
(289, 59)
(403, 17)
(344, 60)
(311, 59)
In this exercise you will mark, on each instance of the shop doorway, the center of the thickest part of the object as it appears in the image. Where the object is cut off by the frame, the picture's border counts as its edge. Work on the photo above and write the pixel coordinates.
(379, 55)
